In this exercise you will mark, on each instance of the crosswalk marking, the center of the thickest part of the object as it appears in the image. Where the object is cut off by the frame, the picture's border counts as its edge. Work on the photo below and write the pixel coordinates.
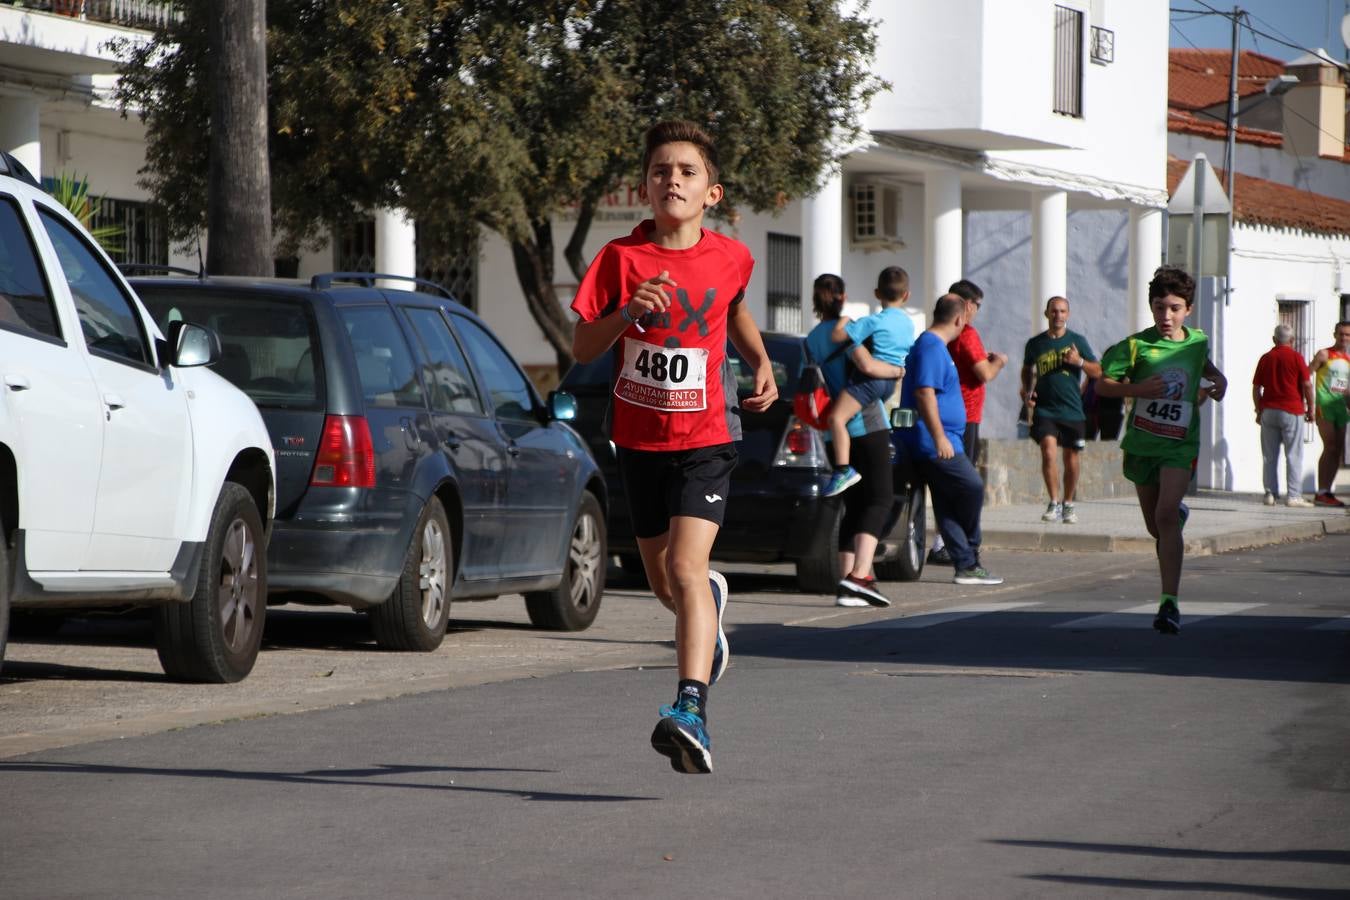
(1137, 616)
(1341, 624)
(927, 620)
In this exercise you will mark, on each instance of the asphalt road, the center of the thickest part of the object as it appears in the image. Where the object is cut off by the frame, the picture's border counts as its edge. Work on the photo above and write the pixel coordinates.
(1034, 740)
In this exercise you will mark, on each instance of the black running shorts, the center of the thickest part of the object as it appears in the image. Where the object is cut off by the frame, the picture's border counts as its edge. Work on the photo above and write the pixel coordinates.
(663, 484)
(1068, 433)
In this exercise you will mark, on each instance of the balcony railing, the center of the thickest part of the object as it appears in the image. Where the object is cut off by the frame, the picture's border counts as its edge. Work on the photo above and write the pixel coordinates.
(131, 13)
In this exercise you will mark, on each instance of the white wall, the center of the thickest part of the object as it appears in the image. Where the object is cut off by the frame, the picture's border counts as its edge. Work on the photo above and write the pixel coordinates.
(1307, 172)
(1272, 265)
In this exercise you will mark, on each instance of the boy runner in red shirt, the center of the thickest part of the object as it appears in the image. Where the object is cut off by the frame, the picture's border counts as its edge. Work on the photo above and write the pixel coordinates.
(669, 295)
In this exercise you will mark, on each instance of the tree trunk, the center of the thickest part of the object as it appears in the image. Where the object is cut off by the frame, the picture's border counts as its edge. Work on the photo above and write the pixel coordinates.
(239, 183)
(572, 252)
(534, 269)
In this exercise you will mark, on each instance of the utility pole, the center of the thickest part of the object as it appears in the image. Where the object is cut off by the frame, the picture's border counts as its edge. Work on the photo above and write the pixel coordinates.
(1230, 151)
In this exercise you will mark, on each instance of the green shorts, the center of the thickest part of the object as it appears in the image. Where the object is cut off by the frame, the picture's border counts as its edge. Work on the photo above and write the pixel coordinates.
(1143, 470)
(1335, 412)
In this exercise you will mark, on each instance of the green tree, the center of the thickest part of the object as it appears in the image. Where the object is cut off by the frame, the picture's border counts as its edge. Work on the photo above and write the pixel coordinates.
(503, 114)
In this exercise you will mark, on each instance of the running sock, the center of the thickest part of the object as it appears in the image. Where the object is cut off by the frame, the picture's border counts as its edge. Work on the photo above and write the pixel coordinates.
(1169, 597)
(696, 691)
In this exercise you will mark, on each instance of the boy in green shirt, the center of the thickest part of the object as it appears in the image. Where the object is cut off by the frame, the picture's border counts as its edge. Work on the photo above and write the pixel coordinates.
(1164, 366)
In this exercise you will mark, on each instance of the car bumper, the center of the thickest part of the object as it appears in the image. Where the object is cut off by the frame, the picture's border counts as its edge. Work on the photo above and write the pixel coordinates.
(337, 556)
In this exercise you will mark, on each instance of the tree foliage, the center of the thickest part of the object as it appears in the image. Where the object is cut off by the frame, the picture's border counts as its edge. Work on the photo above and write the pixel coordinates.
(501, 114)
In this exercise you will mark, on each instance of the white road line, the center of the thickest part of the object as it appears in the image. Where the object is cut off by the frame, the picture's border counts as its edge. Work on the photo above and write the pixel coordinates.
(1341, 624)
(1141, 616)
(928, 620)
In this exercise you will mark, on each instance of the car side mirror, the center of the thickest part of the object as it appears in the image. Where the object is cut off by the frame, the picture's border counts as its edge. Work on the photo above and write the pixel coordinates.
(192, 345)
(562, 406)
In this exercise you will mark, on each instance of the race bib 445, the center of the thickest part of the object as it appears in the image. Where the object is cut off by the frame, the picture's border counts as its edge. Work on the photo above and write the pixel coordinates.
(1169, 419)
(674, 379)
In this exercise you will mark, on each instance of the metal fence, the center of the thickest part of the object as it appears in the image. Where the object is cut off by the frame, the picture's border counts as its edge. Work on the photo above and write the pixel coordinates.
(131, 13)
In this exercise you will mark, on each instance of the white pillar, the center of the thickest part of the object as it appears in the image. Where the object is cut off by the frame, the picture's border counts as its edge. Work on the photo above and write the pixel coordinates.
(1145, 256)
(19, 132)
(822, 239)
(942, 236)
(1049, 252)
(395, 246)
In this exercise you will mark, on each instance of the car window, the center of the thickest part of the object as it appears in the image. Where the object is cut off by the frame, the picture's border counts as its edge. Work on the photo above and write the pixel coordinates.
(268, 345)
(25, 298)
(383, 361)
(507, 387)
(447, 372)
(112, 328)
(785, 358)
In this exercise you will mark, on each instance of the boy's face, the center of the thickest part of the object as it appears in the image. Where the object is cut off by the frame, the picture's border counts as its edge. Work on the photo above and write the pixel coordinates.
(678, 185)
(1169, 314)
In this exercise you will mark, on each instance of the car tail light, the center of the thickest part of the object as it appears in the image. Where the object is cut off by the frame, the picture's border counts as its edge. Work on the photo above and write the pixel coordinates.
(346, 455)
(802, 447)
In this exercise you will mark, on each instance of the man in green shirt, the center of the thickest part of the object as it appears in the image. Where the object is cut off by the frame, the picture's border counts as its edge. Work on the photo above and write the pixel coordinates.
(1052, 388)
(1161, 368)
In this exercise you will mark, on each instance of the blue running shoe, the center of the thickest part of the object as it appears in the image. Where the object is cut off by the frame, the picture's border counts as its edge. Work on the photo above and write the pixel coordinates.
(842, 480)
(721, 649)
(682, 735)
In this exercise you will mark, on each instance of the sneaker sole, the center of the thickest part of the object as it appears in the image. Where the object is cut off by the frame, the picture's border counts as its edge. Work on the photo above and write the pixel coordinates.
(1163, 626)
(722, 642)
(850, 601)
(871, 598)
(959, 579)
(687, 756)
(845, 486)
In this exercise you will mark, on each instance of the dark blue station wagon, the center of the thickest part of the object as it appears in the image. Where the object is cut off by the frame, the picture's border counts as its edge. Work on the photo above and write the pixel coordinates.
(415, 460)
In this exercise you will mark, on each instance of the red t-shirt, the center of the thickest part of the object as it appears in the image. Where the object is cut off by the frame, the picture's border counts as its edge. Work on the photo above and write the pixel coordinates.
(966, 351)
(673, 384)
(1281, 373)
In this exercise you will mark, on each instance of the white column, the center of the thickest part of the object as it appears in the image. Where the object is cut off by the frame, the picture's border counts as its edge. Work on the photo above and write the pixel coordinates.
(395, 246)
(1049, 251)
(1145, 256)
(19, 132)
(942, 236)
(822, 239)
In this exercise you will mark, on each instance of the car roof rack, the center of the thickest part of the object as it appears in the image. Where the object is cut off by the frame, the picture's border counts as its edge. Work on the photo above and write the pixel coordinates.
(325, 280)
(12, 167)
(134, 268)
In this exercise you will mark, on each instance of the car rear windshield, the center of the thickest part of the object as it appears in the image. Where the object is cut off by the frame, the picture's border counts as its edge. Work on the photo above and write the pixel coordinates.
(268, 344)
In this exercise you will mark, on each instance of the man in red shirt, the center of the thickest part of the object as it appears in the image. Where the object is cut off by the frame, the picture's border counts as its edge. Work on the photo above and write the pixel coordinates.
(974, 367)
(1283, 396)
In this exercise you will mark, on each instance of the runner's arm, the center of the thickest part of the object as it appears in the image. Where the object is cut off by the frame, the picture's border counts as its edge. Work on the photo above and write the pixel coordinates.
(745, 337)
(1218, 381)
(1028, 392)
(591, 339)
(1150, 388)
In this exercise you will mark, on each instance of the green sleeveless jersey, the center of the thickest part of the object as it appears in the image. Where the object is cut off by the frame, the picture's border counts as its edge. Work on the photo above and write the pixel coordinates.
(1333, 379)
(1169, 425)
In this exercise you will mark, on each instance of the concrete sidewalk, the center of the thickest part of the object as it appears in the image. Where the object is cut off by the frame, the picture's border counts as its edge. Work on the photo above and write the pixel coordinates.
(1219, 521)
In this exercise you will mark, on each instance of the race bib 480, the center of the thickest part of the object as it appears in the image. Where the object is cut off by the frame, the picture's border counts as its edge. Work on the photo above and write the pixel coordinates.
(674, 379)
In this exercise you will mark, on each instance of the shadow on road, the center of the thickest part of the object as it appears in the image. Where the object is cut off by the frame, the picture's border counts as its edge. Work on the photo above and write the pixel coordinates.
(367, 777)
(1209, 887)
(1321, 857)
(1266, 648)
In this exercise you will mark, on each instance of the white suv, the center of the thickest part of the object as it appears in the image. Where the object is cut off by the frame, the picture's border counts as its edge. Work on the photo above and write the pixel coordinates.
(129, 476)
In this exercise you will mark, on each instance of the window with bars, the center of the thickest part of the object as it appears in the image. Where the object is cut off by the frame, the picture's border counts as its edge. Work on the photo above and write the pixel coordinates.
(449, 260)
(1068, 61)
(783, 263)
(1297, 314)
(144, 238)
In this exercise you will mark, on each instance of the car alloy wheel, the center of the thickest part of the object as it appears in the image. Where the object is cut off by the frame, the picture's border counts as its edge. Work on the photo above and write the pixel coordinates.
(432, 575)
(239, 596)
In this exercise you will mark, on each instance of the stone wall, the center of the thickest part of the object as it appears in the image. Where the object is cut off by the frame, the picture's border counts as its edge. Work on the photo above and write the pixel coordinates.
(1012, 472)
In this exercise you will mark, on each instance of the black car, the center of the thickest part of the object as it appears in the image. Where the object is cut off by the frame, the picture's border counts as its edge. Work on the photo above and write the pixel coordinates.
(776, 511)
(415, 461)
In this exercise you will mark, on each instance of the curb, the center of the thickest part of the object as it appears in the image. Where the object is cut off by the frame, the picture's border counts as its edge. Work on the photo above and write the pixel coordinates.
(1047, 541)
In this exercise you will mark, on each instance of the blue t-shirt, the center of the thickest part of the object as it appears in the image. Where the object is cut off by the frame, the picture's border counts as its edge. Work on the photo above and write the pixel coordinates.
(891, 331)
(930, 365)
(835, 371)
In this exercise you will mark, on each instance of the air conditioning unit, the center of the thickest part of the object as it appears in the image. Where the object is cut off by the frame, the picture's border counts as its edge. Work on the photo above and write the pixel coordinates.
(876, 214)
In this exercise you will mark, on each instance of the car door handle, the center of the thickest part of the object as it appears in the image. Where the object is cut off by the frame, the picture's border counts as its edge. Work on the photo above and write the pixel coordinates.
(112, 401)
(17, 383)
(513, 449)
